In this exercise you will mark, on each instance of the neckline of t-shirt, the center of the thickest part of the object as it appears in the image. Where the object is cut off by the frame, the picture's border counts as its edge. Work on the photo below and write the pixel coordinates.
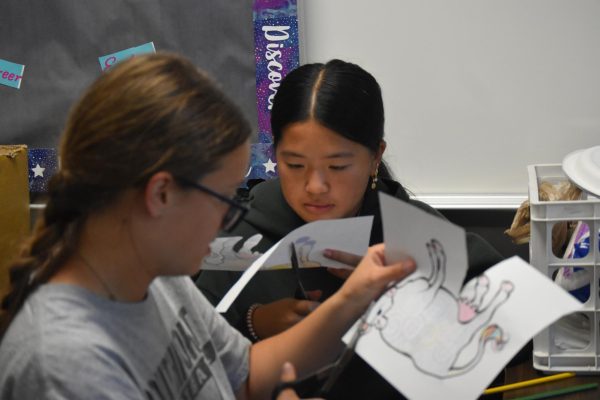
(94, 298)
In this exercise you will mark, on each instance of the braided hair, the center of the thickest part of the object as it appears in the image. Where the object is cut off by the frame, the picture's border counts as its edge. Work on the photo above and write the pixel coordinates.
(147, 114)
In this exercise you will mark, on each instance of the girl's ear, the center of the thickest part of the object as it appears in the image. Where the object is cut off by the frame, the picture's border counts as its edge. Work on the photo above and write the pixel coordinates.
(382, 146)
(158, 193)
(379, 155)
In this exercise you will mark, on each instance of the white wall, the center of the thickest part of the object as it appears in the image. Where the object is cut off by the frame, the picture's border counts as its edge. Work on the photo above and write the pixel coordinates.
(474, 90)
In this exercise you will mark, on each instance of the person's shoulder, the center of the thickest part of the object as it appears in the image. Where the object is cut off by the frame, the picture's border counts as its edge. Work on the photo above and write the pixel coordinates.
(48, 312)
(174, 287)
(179, 289)
(482, 255)
(51, 344)
(242, 194)
(269, 215)
(262, 190)
(64, 364)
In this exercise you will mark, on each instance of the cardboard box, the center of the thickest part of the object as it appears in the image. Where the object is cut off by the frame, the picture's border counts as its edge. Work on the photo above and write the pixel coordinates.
(14, 206)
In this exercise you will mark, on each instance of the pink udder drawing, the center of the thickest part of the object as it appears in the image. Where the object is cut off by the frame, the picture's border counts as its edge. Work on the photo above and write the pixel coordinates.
(443, 335)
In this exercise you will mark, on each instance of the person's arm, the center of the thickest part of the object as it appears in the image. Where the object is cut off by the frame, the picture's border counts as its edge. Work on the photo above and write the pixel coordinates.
(315, 341)
(266, 320)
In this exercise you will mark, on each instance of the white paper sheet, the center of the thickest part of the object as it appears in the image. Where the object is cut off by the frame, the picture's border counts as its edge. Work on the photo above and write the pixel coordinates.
(405, 226)
(223, 257)
(428, 339)
(347, 234)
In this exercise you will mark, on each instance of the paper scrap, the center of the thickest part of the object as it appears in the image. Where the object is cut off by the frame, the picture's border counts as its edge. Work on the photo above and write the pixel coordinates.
(109, 60)
(11, 74)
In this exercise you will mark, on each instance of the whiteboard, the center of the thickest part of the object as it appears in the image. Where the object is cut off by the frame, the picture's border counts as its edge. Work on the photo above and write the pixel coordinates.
(474, 90)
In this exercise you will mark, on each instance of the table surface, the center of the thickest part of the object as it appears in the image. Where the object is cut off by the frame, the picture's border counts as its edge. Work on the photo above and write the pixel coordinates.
(525, 371)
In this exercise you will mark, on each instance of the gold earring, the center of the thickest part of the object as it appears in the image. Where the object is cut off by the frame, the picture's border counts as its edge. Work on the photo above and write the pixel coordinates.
(374, 178)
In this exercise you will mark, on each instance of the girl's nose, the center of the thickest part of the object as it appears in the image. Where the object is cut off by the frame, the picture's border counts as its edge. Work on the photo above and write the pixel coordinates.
(316, 182)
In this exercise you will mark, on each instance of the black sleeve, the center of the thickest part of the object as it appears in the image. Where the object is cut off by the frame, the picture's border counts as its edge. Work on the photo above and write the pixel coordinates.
(482, 255)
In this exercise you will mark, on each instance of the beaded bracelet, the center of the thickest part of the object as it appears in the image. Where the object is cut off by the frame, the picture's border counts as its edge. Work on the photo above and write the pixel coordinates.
(249, 324)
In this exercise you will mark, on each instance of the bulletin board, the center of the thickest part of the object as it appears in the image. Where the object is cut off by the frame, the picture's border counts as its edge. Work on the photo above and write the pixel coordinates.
(59, 43)
(474, 90)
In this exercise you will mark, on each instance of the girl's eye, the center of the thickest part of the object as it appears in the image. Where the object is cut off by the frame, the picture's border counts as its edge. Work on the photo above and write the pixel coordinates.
(338, 167)
(294, 166)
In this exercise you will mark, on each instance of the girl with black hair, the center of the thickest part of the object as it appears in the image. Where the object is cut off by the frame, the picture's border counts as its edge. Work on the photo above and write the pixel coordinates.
(328, 129)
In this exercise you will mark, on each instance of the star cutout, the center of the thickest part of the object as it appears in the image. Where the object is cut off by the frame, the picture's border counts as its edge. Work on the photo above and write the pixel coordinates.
(38, 171)
(270, 166)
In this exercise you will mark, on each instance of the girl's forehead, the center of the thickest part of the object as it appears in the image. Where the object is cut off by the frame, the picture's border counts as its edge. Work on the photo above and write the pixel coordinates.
(312, 137)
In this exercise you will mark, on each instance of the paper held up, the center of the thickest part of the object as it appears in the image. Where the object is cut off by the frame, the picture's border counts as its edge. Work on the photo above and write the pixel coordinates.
(348, 234)
(233, 253)
(443, 336)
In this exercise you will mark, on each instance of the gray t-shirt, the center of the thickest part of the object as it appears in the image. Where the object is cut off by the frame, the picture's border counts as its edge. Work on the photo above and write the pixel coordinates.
(68, 343)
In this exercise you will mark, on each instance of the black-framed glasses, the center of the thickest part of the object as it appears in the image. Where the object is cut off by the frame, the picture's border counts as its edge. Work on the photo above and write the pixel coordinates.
(235, 213)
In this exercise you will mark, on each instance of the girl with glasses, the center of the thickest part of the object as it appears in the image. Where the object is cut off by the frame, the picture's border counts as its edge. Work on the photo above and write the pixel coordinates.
(328, 130)
(101, 303)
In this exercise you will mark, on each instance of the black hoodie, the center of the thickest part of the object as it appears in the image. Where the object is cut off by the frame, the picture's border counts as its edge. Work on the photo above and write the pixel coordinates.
(271, 216)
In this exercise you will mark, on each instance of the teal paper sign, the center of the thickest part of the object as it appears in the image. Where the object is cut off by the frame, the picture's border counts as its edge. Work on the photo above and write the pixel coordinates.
(111, 59)
(11, 74)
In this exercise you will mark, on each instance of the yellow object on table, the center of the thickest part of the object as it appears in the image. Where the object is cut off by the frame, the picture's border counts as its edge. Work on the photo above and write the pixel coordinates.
(14, 206)
(530, 382)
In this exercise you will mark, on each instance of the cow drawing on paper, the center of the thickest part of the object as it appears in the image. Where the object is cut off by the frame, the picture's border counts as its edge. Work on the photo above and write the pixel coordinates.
(443, 335)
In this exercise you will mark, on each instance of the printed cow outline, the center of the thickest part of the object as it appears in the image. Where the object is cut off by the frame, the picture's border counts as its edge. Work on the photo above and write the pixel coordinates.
(452, 344)
(222, 251)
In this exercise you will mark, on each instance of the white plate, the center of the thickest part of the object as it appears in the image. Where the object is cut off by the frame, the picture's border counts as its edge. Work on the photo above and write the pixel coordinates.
(583, 168)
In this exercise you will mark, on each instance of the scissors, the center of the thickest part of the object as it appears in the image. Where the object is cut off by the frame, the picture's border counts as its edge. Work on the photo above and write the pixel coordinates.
(300, 291)
(281, 386)
(337, 368)
(334, 370)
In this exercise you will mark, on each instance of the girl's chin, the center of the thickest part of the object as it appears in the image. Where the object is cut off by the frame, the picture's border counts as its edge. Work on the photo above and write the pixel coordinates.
(310, 217)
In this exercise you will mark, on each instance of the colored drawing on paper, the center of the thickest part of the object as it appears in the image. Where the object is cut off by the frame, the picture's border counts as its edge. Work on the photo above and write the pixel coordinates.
(347, 234)
(443, 335)
(226, 253)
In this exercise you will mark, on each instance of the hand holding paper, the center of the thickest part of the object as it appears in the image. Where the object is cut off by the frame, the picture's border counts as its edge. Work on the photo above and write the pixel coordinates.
(348, 234)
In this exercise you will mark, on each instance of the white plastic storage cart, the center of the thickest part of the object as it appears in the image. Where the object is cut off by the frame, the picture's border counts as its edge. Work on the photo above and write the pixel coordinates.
(547, 354)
